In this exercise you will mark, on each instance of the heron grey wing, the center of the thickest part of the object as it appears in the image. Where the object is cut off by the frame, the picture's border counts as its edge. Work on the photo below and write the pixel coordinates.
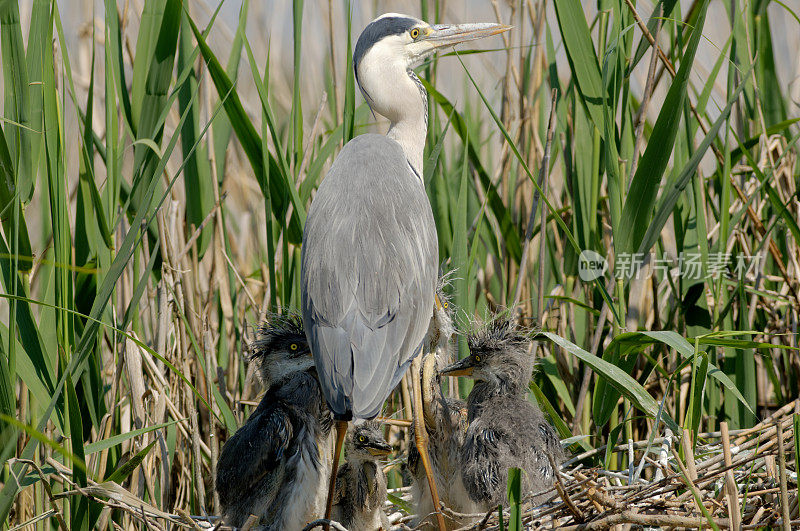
(342, 483)
(333, 358)
(255, 450)
(483, 472)
(346, 360)
(544, 443)
(369, 262)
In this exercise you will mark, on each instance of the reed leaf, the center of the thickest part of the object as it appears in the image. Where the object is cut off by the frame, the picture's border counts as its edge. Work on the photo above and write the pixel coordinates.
(641, 197)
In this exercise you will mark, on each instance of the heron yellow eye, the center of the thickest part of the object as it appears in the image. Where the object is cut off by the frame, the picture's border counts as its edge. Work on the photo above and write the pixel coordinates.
(478, 358)
(445, 305)
(293, 346)
(361, 438)
(414, 33)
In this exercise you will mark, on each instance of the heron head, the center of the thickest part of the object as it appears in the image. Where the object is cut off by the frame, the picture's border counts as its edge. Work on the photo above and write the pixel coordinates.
(366, 442)
(281, 349)
(499, 353)
(393, 43)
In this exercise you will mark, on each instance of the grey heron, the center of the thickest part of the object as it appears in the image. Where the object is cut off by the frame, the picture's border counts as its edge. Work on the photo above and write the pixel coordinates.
(361, 483)
(275, 466)
(505, 428)
(369, 255)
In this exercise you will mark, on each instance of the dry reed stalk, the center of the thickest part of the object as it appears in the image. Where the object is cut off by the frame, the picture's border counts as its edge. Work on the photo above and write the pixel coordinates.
(785, 524)
(686, 444)
(197, 461)
(649, 87)
(587, 372)
(403, 423)
(213, 443)
(731, 489)
(136, 386)
(536, 203)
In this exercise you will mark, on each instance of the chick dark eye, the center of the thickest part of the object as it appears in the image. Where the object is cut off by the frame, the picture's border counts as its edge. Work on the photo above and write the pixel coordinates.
(293, 346)
(414, 33)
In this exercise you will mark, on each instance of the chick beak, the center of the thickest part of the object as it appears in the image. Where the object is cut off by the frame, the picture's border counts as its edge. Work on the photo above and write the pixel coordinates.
(443, 35)
(379, 448)
(459, 368)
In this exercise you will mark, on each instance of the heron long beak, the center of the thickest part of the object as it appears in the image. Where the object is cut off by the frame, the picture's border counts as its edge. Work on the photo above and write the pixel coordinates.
(451, 34)
(379, 448)
(459, 368)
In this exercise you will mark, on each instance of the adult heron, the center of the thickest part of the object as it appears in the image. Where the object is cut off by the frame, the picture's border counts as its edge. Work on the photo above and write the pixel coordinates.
(370, 256)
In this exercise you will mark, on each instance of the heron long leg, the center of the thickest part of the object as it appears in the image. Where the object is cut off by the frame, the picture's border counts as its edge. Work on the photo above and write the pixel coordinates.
(341, 430)
(428, 381)
(421, 439)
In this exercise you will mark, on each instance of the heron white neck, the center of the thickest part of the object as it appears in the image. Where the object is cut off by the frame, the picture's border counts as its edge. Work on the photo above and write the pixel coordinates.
(410, 127)
(393, 90)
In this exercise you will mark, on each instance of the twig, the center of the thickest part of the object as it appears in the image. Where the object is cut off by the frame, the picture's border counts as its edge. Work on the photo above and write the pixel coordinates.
(485, 519)
(38, 518)
(186, 517)
(602, 499)
(251, 521)
(698, 498)
(563, 492)
(641, 117)
(324, 521)
(61, 523)
(630, 517)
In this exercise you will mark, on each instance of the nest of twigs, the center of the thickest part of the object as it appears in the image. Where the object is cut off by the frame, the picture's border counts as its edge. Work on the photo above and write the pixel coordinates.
(740, 479)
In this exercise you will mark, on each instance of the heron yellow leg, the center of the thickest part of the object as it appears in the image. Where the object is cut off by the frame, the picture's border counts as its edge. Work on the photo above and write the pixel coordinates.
(428, 380)
(341, 430)
(421, 439)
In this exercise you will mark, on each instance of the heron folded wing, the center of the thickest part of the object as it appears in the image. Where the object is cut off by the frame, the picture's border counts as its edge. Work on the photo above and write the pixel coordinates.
(369, 262)
(334, 359)
(342, 485)
(255, 450)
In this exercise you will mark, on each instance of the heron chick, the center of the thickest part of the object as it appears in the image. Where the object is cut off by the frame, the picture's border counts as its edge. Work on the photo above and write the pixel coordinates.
(360, 482)
(505, 428)
(276, 465)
